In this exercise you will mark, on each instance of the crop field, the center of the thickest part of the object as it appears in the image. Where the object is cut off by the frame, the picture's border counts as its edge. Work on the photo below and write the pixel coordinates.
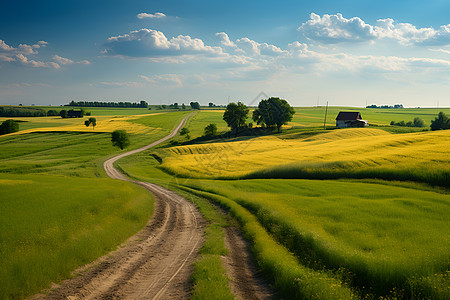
(356, 153)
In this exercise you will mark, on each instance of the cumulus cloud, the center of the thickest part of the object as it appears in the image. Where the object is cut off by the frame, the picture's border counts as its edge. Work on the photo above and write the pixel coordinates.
(157, 15)
(334, 29)
(150, 43)
(225, 40)
(22, 59)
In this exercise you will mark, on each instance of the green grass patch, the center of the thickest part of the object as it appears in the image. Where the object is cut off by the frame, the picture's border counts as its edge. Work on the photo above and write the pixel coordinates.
(383, 240)
(49, 225)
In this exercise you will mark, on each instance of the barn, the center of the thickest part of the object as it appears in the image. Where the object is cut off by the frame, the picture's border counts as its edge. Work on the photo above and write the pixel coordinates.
(350, 119)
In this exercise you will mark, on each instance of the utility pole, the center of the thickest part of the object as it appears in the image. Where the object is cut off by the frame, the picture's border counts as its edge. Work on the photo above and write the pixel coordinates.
(325, 119)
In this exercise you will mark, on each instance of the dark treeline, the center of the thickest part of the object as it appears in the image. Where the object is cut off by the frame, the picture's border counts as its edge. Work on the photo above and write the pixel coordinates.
(385, 106)
(141, 104)
(18, 111)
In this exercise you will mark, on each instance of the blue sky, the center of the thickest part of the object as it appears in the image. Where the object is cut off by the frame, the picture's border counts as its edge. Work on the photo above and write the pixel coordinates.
(344, 52)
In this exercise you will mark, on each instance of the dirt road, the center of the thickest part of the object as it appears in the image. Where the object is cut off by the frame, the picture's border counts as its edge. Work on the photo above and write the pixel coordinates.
(157, 262)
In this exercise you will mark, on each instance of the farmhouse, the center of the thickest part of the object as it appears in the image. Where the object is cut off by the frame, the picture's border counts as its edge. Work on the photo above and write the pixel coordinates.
(350, 119)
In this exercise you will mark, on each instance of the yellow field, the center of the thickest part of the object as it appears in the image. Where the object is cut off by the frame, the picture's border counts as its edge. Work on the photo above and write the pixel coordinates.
(104, 124)
(359, 148)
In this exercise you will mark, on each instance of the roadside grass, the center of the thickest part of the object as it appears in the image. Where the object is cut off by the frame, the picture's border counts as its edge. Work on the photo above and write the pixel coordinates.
(292, 280)
(385, 241)
(56, 213)
(347, 153)
(49, 225)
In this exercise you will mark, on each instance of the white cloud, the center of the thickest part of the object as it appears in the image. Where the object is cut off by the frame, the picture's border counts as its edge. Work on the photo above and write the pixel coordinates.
(22, 59)
(152, 43)
(157, 15)
(65, 61)
(225, 40)
(441, 50)
(164, 79)
(334, 29)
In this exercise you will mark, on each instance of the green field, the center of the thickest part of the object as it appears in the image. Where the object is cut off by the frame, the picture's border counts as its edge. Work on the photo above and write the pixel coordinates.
(364, 238)
(59, 211)
(324, 239)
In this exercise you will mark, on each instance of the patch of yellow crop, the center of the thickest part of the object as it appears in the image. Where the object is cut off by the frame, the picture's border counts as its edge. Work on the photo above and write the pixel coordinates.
(104, 124)
(14, 182)
(354, 148)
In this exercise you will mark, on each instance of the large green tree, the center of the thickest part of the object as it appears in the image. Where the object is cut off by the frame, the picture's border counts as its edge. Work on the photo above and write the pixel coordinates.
(273, 112)
(9, 126)
(441, 122)
(119, 138)
(235, 115)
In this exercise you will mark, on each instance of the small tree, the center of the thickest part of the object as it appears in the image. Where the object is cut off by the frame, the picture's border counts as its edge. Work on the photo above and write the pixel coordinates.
(119, 138)
(184, 131)
(9, 126)
(195, 105)
(418, 122)
(210, 130)
(235, 115)
(63, 113)
(441, 122)
(92, 121)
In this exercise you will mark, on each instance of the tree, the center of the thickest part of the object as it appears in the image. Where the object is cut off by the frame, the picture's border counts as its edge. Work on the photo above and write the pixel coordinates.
(184, 131)
(195, 105)
(9, 126)
(63, 113)
(210, 130)
(273, 112)
(235, 115)
(183, 107)
(92, 121)
(441, 122)
(418, 122)
(210, 104)
(119, 138)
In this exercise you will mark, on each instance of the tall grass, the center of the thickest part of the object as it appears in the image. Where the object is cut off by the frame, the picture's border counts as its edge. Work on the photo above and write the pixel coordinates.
(384, 240)
(49, 225)
(292, 280)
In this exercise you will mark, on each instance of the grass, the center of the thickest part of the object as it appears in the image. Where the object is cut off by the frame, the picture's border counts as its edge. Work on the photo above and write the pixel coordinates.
(381, 239)
(49, 225)
(59, 210)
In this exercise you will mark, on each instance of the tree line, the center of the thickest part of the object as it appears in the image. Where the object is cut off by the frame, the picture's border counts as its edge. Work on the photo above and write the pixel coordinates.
(141, 104)
(385, 106)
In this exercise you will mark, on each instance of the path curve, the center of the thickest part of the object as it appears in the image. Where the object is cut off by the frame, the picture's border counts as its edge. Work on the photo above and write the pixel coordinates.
(156, 263)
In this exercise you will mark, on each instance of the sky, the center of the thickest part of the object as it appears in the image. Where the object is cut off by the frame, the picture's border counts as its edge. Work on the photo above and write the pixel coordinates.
(346, 53)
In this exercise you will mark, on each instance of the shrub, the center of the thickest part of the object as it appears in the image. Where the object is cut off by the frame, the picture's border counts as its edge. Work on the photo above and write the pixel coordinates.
(9, 126)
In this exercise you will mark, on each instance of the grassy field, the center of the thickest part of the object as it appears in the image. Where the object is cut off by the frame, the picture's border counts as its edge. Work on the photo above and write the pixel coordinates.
(49, 225)
(59, 211)
(379, 237)
(339, 239)
(323, 239)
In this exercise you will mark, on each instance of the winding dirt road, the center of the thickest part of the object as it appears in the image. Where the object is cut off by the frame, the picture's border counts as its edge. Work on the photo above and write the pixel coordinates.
(157, 262)
(154, 264)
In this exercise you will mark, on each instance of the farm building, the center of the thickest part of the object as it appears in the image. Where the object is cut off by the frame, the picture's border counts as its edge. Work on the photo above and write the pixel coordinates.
(350, 119)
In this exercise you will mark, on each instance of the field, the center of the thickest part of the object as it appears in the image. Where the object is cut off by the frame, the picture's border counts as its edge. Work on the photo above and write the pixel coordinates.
(374, 226)
(364, 238)
(59, 211)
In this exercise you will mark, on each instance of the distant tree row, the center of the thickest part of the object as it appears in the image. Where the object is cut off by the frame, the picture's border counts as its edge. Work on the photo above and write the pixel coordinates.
(19, 111)
(385, 106)
(141, 104)
(417, 122)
